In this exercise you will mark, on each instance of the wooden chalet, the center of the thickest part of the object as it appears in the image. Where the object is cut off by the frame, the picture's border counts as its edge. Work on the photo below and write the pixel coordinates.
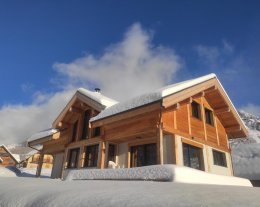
(188, 123)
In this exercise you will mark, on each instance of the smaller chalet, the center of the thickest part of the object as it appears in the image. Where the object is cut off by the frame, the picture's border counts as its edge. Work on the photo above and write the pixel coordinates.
(7, 158)
(188, 124)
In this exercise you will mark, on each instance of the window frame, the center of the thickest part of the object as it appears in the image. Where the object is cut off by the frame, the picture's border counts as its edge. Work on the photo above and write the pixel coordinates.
(94, 160)
(96, 132)
(85, 129)
(111, 154)
(209, 119)
(191, 148)
(216, 154)
(74, 131)
(77, 150)
(198, 108)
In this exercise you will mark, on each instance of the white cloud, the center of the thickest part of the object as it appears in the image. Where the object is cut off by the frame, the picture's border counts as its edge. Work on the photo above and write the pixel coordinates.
(252, 109)
(128, 68)
(19, 122)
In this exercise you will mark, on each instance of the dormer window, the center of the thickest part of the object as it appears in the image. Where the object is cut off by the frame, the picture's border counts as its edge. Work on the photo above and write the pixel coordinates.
(86, 125)
(196, 112)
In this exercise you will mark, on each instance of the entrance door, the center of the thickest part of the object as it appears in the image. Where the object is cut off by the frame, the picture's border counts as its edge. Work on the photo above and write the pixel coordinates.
(143, 155)
(193, 157)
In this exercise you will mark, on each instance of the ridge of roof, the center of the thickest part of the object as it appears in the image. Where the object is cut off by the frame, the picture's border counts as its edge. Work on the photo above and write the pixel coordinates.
(98, 97)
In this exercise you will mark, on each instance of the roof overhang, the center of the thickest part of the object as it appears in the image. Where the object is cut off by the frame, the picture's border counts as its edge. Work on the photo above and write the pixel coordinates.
(44, 139)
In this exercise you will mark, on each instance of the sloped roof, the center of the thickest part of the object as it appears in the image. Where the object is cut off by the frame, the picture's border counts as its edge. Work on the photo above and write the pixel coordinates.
(94, 99)
(151, 97)
(42, 134)
(21, 153)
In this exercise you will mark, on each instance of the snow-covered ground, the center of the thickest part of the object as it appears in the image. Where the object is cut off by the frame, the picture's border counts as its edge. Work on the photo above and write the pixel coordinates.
(40, 192)
(22, 172)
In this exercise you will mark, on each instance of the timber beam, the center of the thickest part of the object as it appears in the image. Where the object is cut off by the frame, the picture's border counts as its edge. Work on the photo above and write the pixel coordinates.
(222, 110)
(63, 125)
(233, 128)
(74, 110)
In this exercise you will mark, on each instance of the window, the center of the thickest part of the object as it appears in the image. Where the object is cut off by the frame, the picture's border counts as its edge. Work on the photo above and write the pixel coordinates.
(85, 125)
(219, 158)
(96, 132)
(91, 156)
(209, 117)
(143, 155)
(193, 157)
(196, 110)
(74, 131)
(111, 153)
(73, 158)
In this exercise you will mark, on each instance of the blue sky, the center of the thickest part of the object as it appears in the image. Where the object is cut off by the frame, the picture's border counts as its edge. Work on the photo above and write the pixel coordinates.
(41, 42)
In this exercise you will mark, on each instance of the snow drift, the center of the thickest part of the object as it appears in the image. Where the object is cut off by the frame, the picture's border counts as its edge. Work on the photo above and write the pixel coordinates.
(166, 173)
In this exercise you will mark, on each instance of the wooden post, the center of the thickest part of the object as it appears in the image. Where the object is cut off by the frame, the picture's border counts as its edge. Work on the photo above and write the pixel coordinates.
(102, 154)
(203, 118)
(106, 154)
(160, 145)
(80, 161)
(39, 166)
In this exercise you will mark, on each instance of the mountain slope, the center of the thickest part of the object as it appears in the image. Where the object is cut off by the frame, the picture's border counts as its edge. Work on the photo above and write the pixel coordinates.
(246, 152)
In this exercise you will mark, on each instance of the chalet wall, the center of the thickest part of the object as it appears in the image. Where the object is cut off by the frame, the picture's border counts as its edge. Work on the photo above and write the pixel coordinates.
(179, 120)
(219, 169)
(130, 127)
(207, 157)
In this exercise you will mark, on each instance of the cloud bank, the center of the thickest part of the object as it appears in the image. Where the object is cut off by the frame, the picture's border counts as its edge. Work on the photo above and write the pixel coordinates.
(128, 68)
(125, 69)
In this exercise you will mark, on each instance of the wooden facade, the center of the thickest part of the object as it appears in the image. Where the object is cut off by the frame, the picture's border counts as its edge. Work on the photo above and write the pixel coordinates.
(189, 128)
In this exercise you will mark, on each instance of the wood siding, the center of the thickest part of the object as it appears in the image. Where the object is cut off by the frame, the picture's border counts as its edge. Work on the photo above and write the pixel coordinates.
(214, 136)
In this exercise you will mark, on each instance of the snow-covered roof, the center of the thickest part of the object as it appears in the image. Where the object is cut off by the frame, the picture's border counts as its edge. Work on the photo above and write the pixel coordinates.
(42, 134)
(21, 153)
(15, 157)
(98, 97)
(151, 97)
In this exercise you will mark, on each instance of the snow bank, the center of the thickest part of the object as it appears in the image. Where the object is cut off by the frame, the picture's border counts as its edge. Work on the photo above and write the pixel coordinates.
(155, 172)
(170, 173)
